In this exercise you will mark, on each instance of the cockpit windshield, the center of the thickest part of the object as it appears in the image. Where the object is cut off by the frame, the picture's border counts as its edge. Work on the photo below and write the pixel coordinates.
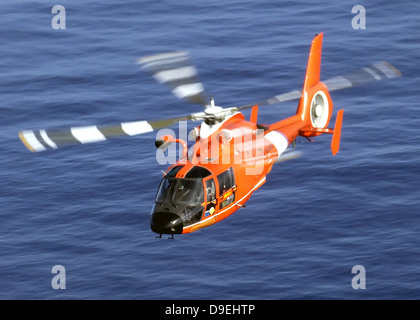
(181, 191)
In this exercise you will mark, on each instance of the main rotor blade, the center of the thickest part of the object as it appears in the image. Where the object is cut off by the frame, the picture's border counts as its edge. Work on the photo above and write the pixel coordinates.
(284, 97)
(376, 72)
(176, 70)
(41, 140)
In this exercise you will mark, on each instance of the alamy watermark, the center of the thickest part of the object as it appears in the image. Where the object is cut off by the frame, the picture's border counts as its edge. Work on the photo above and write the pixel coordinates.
(359, 280)
(59, 280)
(59, 20)
(359, 20)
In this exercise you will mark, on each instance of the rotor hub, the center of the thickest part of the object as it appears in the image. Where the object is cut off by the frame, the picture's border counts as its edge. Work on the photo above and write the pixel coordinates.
(213, 110)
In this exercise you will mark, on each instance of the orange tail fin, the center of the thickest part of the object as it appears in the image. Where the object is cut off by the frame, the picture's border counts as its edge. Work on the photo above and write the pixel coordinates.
(315, 106)
(313, 69)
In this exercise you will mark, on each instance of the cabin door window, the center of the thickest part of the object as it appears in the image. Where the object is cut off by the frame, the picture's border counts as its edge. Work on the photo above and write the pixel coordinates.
(227, 188)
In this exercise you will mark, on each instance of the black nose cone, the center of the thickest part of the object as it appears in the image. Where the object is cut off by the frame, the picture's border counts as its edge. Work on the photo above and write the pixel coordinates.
(166, 223)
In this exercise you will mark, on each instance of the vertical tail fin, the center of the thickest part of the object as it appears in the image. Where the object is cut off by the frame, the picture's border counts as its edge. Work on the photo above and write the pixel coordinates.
(315, 106)
(313, 69)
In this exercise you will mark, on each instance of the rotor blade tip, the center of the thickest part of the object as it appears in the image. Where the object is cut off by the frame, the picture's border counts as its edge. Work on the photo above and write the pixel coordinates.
(397, 72)
(25, 142)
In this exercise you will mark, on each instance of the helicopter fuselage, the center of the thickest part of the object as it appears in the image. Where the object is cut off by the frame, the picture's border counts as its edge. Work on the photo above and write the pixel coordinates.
(222, 170)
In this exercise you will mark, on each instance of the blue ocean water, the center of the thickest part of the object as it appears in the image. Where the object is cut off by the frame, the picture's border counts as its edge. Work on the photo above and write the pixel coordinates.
(87, 208)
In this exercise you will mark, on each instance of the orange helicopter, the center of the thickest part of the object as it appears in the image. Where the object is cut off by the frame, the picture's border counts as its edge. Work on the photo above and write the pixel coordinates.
(231, 156)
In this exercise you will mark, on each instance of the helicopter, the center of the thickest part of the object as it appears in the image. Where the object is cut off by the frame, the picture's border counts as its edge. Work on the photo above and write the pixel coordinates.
(231, 155)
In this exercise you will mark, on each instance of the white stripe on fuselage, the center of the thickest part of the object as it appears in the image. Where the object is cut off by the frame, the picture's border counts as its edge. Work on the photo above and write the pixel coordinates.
(278, 140)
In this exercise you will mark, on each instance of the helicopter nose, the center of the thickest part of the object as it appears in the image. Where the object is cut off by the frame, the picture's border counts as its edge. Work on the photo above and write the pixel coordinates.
(166, 223)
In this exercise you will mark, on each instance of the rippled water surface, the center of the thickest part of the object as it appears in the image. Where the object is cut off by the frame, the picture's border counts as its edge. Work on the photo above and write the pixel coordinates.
(87, 208)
